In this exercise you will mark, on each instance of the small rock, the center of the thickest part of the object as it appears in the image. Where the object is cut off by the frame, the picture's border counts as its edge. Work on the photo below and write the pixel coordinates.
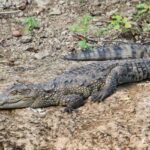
(21, 4)
(32, 49)
(65, 32)
(55, 11)
(61, 2)
(96, 13)
(42, 3)
(98, 24)
(42, 54)
(26, 39)
(96, 2)
(112, 12)
(29, 1)
(20, 14)
(16, 33)
(22, 7)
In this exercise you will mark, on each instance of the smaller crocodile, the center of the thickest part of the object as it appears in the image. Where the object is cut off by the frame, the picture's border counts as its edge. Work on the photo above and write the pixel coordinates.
(112, 52)
(96, 81)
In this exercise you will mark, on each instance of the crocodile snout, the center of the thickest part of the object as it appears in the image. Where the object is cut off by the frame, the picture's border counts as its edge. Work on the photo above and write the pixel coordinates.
(3, 98)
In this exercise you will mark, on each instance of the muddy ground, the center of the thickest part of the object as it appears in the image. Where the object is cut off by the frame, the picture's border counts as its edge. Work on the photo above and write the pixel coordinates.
(122, 122)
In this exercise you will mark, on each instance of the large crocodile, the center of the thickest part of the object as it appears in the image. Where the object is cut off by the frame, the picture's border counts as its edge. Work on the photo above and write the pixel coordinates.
(96, 80)
(113, 51)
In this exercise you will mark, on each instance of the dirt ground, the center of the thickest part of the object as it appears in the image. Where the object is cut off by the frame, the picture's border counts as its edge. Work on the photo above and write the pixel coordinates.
(122, 122)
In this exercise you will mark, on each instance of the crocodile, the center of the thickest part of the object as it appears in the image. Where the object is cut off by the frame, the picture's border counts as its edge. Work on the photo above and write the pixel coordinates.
(95, 82)
(112, 51)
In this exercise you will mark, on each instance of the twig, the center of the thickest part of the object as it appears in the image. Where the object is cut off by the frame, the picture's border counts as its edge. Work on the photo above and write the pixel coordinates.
(9, 12)
(146, 42)
(81, 37)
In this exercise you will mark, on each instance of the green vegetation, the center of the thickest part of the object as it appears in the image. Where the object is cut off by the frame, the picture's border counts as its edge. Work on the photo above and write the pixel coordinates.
(133, 26)
(84, 45)
(147, 28)
(143, 12)
(124, 25)
(83, 27)
(120, 23)
(31, 23)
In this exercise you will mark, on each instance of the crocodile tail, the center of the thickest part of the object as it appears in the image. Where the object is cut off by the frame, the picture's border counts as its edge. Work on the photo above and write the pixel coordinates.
(87, 55)
(112, 52)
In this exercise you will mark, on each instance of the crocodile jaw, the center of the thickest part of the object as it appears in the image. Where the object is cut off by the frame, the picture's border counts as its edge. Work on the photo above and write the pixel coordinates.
(11, 102)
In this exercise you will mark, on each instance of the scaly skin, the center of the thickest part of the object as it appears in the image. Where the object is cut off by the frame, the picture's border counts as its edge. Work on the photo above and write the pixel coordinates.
(71, 89)
(112, 52)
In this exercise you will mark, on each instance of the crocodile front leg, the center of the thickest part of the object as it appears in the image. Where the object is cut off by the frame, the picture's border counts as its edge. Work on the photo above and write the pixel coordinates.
(127, 73)
(110, 84)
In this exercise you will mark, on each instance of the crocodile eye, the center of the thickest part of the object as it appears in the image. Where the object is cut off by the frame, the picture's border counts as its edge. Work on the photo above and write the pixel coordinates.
(24, 91)
(14, 92)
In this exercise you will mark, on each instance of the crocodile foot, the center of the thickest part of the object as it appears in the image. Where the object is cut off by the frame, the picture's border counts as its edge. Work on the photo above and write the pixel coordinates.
(101, 95)
(73, 102)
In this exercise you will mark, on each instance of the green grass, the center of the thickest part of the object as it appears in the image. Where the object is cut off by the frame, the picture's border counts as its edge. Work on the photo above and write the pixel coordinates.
(31, 24)
(147, 28)
(120, 23)
(84, 45)
(142, 12)
(123, 24)
(83, 27)
(135, 25)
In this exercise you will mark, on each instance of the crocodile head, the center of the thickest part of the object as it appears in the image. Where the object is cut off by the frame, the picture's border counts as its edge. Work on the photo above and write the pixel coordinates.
(21, 96)
(17, 96)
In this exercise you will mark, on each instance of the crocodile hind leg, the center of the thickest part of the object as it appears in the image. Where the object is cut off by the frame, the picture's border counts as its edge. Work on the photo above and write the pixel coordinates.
(118, 75)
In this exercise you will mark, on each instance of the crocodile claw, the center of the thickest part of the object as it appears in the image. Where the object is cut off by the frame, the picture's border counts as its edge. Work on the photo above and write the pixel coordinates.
(100, 96)
(68, 110)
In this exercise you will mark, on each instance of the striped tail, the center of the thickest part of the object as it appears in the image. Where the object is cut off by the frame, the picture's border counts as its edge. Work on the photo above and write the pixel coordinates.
(112, 52)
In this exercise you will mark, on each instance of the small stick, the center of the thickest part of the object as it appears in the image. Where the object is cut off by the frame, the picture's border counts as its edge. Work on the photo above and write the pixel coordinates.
(9, 12)
(146, 42)
(81, 37)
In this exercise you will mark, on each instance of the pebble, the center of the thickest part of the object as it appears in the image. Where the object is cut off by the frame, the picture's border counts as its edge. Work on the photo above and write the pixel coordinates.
(61, 2)
(96, 2)
(42, 3)
(16, 33)
(55, 11)
(42, 54)
(26, 39)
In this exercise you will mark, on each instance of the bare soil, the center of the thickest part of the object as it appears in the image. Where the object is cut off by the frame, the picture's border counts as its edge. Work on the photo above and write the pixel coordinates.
(122, 122)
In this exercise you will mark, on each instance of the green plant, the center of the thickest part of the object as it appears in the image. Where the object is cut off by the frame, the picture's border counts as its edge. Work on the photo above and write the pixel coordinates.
(142, 12)
(120, 23)
(84, 45)
(147, 28)
(31, 23)
(83, 26)
(142, 7)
